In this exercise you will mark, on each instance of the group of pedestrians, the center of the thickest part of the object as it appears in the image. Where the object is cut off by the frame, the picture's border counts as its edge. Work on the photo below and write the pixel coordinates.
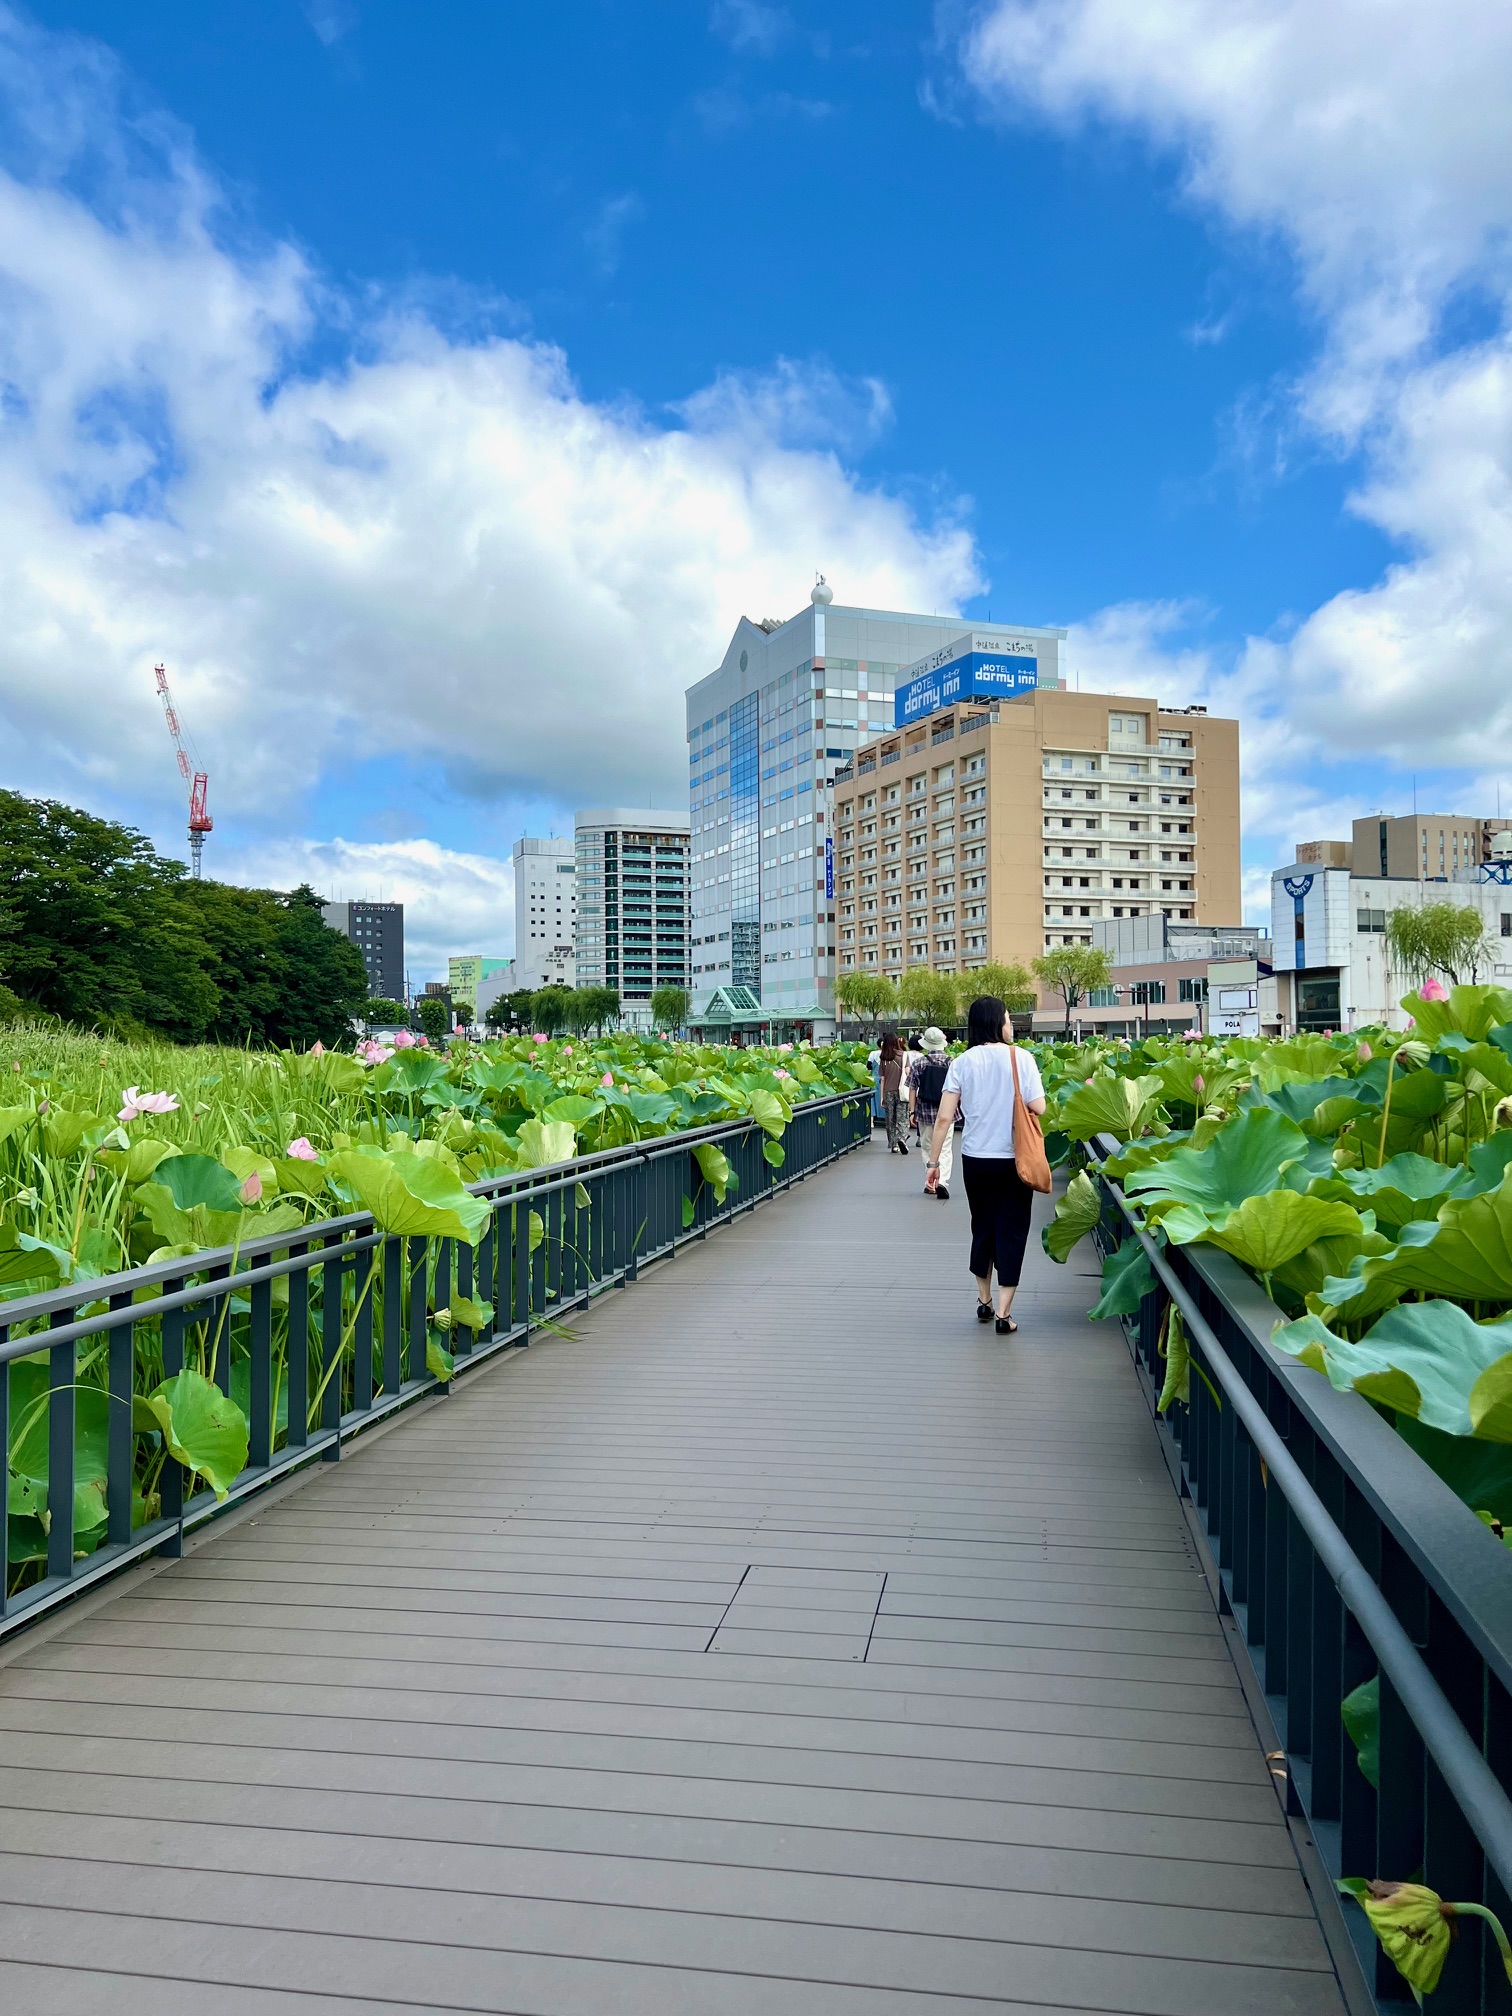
(994, 1091)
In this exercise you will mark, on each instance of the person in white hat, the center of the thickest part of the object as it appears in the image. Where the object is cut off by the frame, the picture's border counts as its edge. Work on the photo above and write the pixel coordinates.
(925, 1082)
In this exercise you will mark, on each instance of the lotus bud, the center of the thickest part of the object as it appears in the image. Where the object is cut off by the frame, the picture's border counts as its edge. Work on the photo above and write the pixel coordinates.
(252, 1189)
(43, 1106)
(1199, 1083)
(1364, 1052)
(607, 1079)
(1503, 1114)
(1433, 990)
(1414, 1926)
(317, 1049)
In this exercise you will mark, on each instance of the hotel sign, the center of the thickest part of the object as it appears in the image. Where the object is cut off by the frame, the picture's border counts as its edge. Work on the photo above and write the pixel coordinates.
(983, 666)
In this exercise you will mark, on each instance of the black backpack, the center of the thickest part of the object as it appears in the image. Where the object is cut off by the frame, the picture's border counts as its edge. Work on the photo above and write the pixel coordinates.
(931, 1086)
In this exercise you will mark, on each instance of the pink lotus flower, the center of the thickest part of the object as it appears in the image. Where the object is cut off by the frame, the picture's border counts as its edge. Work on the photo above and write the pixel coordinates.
(1191, 1035)
(1434, 990)
(374, 1053)
(566, 1049)
(538, 1039)
(607, 1079)
(783, 1048)
(404, 1039)
(1199, 1083)
(134, 1102)
(301, 1150)
(317, 1048)
(251, 1190)
(458, 1030)
(780, 1073)
(1364, 1052)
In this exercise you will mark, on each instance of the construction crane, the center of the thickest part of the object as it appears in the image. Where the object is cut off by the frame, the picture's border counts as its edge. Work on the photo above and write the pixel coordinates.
(200, 822)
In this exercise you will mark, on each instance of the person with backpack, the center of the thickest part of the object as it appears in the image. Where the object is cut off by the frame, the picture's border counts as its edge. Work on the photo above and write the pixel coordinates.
(997, 1088)
(925, 1083)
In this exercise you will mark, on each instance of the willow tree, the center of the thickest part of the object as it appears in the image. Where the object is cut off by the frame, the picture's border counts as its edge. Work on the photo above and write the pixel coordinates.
(1446, 938)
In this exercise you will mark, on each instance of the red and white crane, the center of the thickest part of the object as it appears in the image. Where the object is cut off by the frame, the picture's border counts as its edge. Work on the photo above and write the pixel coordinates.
(200, 822)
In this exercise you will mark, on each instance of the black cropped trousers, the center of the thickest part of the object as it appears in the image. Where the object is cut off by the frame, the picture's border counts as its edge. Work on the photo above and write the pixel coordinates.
(1000, 1205)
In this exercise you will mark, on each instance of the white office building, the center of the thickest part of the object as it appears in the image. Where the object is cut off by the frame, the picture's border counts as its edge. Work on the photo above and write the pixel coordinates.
(545, 877)
(1334, 967)
(790, 703)
(632, 877)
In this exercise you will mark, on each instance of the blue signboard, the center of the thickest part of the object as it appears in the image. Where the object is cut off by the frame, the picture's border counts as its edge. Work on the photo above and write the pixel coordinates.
(973, 675)
(829, 869)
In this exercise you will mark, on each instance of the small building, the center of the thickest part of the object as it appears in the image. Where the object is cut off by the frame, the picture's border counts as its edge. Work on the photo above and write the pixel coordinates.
(377, 930)
(467, 974)
(1163, 977)
(1333, 960)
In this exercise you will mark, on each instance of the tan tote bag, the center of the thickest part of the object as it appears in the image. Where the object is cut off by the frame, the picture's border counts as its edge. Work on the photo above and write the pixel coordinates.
(1028, 1137)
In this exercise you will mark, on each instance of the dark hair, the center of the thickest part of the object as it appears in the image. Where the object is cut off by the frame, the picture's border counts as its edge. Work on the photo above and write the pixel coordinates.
(984, 1021)
(890, 1048)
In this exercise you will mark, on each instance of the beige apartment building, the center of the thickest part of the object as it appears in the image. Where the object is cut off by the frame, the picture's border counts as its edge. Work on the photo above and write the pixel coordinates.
(1417, 846)
(997, 830)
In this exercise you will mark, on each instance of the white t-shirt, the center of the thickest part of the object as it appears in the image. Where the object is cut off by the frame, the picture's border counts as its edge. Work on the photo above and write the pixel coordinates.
(984, 1079)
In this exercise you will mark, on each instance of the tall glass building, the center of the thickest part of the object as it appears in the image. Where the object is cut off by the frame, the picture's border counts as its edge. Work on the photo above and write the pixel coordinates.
(632, 881)
(766, 732)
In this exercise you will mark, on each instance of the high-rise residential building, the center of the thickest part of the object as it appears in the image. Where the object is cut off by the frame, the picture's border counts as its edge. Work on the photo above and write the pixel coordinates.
(996, 828)
(545, 878)
(632, 874)
(789, 704)
(377, 930)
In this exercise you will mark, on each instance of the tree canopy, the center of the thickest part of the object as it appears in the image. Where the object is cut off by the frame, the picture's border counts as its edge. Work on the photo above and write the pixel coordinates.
(1072, 971)
(97, 928)
(669, 1007)
(1447, 938)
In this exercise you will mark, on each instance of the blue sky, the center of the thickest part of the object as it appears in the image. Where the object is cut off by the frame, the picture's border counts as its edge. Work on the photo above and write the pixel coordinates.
(1031, 308)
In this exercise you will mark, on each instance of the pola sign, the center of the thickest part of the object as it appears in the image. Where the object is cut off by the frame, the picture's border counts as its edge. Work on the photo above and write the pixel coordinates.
(978, 667)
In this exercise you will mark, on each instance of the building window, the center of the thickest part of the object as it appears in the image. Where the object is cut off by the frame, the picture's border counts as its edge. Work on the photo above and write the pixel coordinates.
(1370, 920)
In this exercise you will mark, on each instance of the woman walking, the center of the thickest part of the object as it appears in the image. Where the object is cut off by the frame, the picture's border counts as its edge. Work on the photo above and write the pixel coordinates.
(924, 1081)
(890, 1084)
(984, 1082)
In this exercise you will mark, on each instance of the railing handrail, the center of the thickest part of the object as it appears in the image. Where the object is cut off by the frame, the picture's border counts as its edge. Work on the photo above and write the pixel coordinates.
(520, 1183)
(1469, 1778)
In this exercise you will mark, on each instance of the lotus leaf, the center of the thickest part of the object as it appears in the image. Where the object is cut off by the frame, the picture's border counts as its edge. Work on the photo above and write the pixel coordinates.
(1301, 1100)
(1119, 1106)
(540, 1144)
(774, 1152)
(66, 1128)
(574, 1110)
(410, 1071)
(1430, 1360)
(715, 1167)
(769, 1110)
(1244, 1160)
(305, 1179)
(1077, 1210)
(27, 1265)
(1466, 1253)
(439, 1362)
(245, 1162)
(1177, 1384)
(204, 1428)
(137, 1162)
(1267, 1231)
(30, 1381)
(412, 1196)
(199, 1181)
(1361, 1711)
(1469, 1011)
(1127, 1278)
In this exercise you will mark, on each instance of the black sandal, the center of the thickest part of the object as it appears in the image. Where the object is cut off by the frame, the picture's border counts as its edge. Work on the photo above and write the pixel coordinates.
(984, 1312)
(1005, 1326)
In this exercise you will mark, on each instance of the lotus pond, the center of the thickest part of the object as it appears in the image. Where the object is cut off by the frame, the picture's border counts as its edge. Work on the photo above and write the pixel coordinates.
(115, 1157)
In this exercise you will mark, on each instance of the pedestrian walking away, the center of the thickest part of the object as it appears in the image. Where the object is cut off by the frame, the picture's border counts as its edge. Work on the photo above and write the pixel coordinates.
(924, 1081)
(890, 1084)
(988, 1083)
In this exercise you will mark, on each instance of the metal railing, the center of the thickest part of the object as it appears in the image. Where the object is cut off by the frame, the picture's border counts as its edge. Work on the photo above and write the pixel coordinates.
(321, 1332)
(1342, 1558)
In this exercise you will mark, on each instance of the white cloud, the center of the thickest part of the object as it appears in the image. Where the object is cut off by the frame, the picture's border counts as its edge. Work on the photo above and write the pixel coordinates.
(747, 25)
(453, 902)
(1372, 138)
(605, 236)
(434, 548)
(331, 19)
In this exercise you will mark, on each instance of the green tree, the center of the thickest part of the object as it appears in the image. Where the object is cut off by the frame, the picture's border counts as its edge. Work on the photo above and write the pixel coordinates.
(669, 1008)
(511, 1011)
(381, 1009)
(281, 976)
(601, 1006)
(1447, 938)
(1012, 984)
(865, 996)
(91, 928)
(462, 1011)
(926, 996)
(550, 1008)
(1072, 971)
(434, 1017)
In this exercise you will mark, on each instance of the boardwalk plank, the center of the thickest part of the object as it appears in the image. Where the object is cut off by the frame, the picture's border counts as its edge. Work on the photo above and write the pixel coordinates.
(777, 1644)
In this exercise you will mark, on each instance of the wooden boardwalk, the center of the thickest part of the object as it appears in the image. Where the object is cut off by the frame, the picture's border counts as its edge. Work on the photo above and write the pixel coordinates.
(780, 1643)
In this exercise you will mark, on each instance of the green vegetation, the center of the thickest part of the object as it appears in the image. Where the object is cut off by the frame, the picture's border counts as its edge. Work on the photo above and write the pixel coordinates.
(1072, 971)
(1427, 938)
(99, 931)
(669, 1008)
(115, 1155)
